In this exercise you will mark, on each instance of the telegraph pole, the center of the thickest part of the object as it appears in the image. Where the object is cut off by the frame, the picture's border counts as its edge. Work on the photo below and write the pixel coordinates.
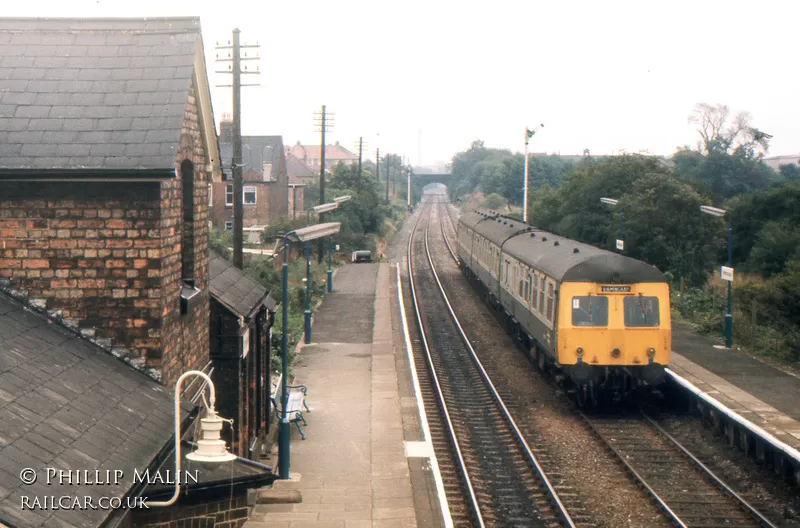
(234, 56)
(360, 149)
(378, 165)
(322, 122)
(388, 165)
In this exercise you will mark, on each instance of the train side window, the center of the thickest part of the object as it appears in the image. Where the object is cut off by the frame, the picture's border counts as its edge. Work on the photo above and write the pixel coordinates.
(541, 295)
(590, 311)
(535, 300)
(550, 301)
(641, 311)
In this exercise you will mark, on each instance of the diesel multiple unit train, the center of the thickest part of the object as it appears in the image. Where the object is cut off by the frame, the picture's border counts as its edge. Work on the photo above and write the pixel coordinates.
(600, 318)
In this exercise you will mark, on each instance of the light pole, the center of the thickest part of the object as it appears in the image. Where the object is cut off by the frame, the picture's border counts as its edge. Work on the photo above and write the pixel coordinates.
(726, 272)
(338, 201)
(210, 447)
(305, 234)
(528, 135)
(620, 240)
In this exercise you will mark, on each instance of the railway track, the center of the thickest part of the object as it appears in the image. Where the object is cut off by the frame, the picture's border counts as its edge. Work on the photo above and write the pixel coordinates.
(494, 468)
(688, 492)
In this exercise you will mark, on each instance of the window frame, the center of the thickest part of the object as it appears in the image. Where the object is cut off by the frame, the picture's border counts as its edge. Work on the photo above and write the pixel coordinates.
(638, 299)
(228, 193)
(592, 300)
(249, 189)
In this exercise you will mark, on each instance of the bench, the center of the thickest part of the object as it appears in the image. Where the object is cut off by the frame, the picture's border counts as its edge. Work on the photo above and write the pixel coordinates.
(295, 405)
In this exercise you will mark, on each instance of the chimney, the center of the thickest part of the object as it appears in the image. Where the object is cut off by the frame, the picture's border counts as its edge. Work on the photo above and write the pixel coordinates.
(225, 130)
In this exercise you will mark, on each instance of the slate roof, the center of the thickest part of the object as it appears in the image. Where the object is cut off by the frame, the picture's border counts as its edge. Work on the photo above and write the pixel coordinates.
(333, 153)
(65, 403)
(256, 150)
(94, 94)
(299, 173)
(232, 288)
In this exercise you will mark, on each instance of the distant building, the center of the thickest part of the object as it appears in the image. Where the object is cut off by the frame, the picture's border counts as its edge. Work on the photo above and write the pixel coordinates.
(775, 162)
(301, 177)
(265, 181)
(311, 155)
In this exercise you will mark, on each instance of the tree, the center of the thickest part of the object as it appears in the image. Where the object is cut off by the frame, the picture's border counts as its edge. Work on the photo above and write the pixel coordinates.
(494, 201)
(720, 133)
(663, 226)
(789, 172)
(580, 214)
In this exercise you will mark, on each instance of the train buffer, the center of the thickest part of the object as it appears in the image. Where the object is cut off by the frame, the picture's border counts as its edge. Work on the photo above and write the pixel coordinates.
(295, 405)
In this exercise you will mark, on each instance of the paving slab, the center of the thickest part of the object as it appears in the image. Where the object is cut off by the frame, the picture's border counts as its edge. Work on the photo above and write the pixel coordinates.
(352, 470)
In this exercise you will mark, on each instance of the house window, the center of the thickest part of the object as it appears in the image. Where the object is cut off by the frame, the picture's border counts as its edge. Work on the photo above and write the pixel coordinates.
(229, 225)
(268, 172)
(249, 195)
(229, 194)
(187, 249)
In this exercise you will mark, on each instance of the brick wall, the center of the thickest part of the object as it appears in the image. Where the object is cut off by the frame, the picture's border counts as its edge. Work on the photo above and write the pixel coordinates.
(105, 258)
(222, 513)
(268, 208)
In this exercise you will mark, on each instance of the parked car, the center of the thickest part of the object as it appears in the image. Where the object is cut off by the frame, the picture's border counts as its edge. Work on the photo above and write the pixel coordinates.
(361, 256)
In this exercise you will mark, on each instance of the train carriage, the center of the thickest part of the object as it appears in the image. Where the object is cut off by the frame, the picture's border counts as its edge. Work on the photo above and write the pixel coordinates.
(601, 318)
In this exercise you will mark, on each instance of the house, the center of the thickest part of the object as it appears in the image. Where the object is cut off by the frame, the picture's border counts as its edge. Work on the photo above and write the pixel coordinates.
(311, 155)
(242, 316)
(265, 181)
(107, 152)
(301, 177)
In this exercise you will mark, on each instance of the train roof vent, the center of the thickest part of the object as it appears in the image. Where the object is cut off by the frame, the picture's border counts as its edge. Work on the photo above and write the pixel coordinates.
(576, 250)
(533, 235)
(555, 243)
(544, 239)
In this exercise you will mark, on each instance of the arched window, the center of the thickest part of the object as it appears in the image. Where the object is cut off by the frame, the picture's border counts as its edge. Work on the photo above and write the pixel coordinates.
(187, 239)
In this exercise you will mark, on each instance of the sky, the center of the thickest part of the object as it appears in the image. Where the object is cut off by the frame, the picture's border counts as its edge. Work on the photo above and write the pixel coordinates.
(424, 79)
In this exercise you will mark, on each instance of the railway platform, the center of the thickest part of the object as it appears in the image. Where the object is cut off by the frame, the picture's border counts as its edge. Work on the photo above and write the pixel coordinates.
(356, 468)
(767, 397)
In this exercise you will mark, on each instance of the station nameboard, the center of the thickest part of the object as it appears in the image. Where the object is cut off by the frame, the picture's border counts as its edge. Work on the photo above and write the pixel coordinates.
(615, 289)
(726, 273)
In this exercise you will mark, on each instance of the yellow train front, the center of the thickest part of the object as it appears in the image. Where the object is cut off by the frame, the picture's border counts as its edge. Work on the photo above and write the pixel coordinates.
(598, 318)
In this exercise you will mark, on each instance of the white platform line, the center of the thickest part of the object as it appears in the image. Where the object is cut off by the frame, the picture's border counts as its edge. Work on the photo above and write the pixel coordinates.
(423, 416)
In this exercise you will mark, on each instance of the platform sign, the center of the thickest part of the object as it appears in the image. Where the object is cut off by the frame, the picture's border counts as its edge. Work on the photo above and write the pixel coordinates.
(726, 273)
(620, 245)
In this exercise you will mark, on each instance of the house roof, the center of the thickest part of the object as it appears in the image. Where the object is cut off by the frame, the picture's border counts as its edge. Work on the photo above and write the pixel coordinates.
(333, 153)
(232, 288)
(256, 151)
(67, 404)
(299, 172)
(95, 94)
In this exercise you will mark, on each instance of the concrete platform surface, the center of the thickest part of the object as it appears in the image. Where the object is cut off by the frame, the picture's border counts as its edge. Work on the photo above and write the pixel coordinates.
(759, 393)
(352, 470)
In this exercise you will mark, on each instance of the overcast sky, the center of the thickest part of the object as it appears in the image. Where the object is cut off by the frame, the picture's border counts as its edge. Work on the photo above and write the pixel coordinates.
(600, 75)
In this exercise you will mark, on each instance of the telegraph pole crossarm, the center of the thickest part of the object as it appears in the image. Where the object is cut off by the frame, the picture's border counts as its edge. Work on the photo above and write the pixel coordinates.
(235, 69)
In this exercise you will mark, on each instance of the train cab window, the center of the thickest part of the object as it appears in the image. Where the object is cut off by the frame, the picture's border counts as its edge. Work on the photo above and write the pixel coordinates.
(641, 311)
(550, 300)
(589, 311)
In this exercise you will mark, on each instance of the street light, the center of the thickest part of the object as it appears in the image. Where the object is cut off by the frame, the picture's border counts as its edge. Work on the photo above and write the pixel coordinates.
(612, 201)
(210, 447)
(339, 200)
(528, 135)
(305, 234)
(726, 272)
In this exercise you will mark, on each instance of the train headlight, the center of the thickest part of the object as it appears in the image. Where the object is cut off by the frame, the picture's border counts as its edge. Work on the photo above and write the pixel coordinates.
(579, 351)
(651, 352)
(616, 353)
